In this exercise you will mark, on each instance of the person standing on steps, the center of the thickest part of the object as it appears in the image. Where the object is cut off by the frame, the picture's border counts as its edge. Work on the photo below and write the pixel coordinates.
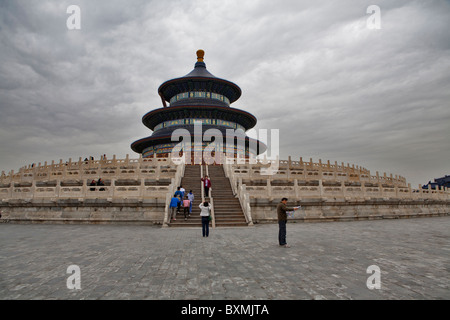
(178, 193)
(205, 212)
(183, 191)
(206, 185)
(191, 197)
(282, 208)
(174, 203)
(180, 203)
(186, 205)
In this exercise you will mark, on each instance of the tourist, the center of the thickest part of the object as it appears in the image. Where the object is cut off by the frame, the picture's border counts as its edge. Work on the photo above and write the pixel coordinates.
(180, 203)
(173, 206)
(92, 184)
(100, 183)
(205, 212)
(183, 191)
(190, 196)
(178, 193)
(282, 220)
(186, 205)
(206, 185)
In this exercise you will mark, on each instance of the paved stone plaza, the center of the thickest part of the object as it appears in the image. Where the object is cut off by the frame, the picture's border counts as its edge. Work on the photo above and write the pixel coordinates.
(326, 261)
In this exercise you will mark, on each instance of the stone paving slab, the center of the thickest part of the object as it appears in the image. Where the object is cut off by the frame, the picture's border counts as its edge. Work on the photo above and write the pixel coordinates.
(326, 261)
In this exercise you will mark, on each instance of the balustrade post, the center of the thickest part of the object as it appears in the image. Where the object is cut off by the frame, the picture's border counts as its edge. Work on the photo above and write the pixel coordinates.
(33, 188)
(112, 188)
(343, 189)
(84, 189)
(201, 183)
(363, 189)
(142, 188)
(320, 173)
(269, 190)
(58, 188)
(320, 189)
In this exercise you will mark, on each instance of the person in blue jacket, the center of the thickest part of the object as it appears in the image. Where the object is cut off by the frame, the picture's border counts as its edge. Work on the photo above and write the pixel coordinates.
(174, 204)
(178, 193)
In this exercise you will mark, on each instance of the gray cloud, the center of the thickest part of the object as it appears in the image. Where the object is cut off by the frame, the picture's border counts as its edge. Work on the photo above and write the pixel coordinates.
(335, 89)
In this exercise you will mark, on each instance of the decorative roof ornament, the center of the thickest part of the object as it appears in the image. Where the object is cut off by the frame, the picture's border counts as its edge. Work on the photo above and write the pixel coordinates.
(200, 55)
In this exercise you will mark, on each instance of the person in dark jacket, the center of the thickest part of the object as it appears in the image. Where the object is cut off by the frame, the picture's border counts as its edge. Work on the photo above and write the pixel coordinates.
(100, 183)
(282, 208)
(206, 185)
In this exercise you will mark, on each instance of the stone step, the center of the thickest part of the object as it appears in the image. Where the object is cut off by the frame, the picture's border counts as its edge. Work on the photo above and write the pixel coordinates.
(225, 197)
(227, 209)
(227, 204)
(195, 225)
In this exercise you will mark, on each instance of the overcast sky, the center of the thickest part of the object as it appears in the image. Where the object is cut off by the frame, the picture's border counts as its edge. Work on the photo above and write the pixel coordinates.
(336, 89)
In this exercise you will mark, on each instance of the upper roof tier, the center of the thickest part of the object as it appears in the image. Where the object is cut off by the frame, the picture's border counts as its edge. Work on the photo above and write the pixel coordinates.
(199, 79)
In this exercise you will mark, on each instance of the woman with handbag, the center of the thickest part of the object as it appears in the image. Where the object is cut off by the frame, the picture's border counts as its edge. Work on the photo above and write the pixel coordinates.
(205, 213)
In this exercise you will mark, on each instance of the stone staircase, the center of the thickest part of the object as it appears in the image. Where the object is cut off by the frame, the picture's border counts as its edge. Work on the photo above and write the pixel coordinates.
(191, 181)
(227, 209)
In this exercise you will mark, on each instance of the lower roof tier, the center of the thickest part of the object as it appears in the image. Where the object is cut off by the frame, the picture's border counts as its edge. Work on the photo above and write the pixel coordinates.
(202, 150)
(198, 134)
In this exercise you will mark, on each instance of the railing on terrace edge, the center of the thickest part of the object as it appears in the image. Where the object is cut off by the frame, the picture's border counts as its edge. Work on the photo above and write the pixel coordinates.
(211, 200)
(141, 165)
(173, 187)
(237, 173)
(239, 192)
(164, 166)
(81, 168)
(314, 168)
(337, 192)
(252, 172)
(85, 191)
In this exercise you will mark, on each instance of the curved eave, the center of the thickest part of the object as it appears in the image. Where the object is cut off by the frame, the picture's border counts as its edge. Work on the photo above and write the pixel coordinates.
(139, 145)
(185, 84)
(155, 117)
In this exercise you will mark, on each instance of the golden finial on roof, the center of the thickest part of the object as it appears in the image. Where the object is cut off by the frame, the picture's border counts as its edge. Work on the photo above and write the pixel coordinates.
(200, 55)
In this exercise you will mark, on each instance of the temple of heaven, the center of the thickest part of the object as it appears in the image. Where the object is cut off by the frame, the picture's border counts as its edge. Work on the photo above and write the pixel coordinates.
(196, 120)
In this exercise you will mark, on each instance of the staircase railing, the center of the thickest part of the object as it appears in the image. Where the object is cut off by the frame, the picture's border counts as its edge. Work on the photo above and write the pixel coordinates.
(201, 183)
(211, 201)
(239, 191)
(175, 183)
